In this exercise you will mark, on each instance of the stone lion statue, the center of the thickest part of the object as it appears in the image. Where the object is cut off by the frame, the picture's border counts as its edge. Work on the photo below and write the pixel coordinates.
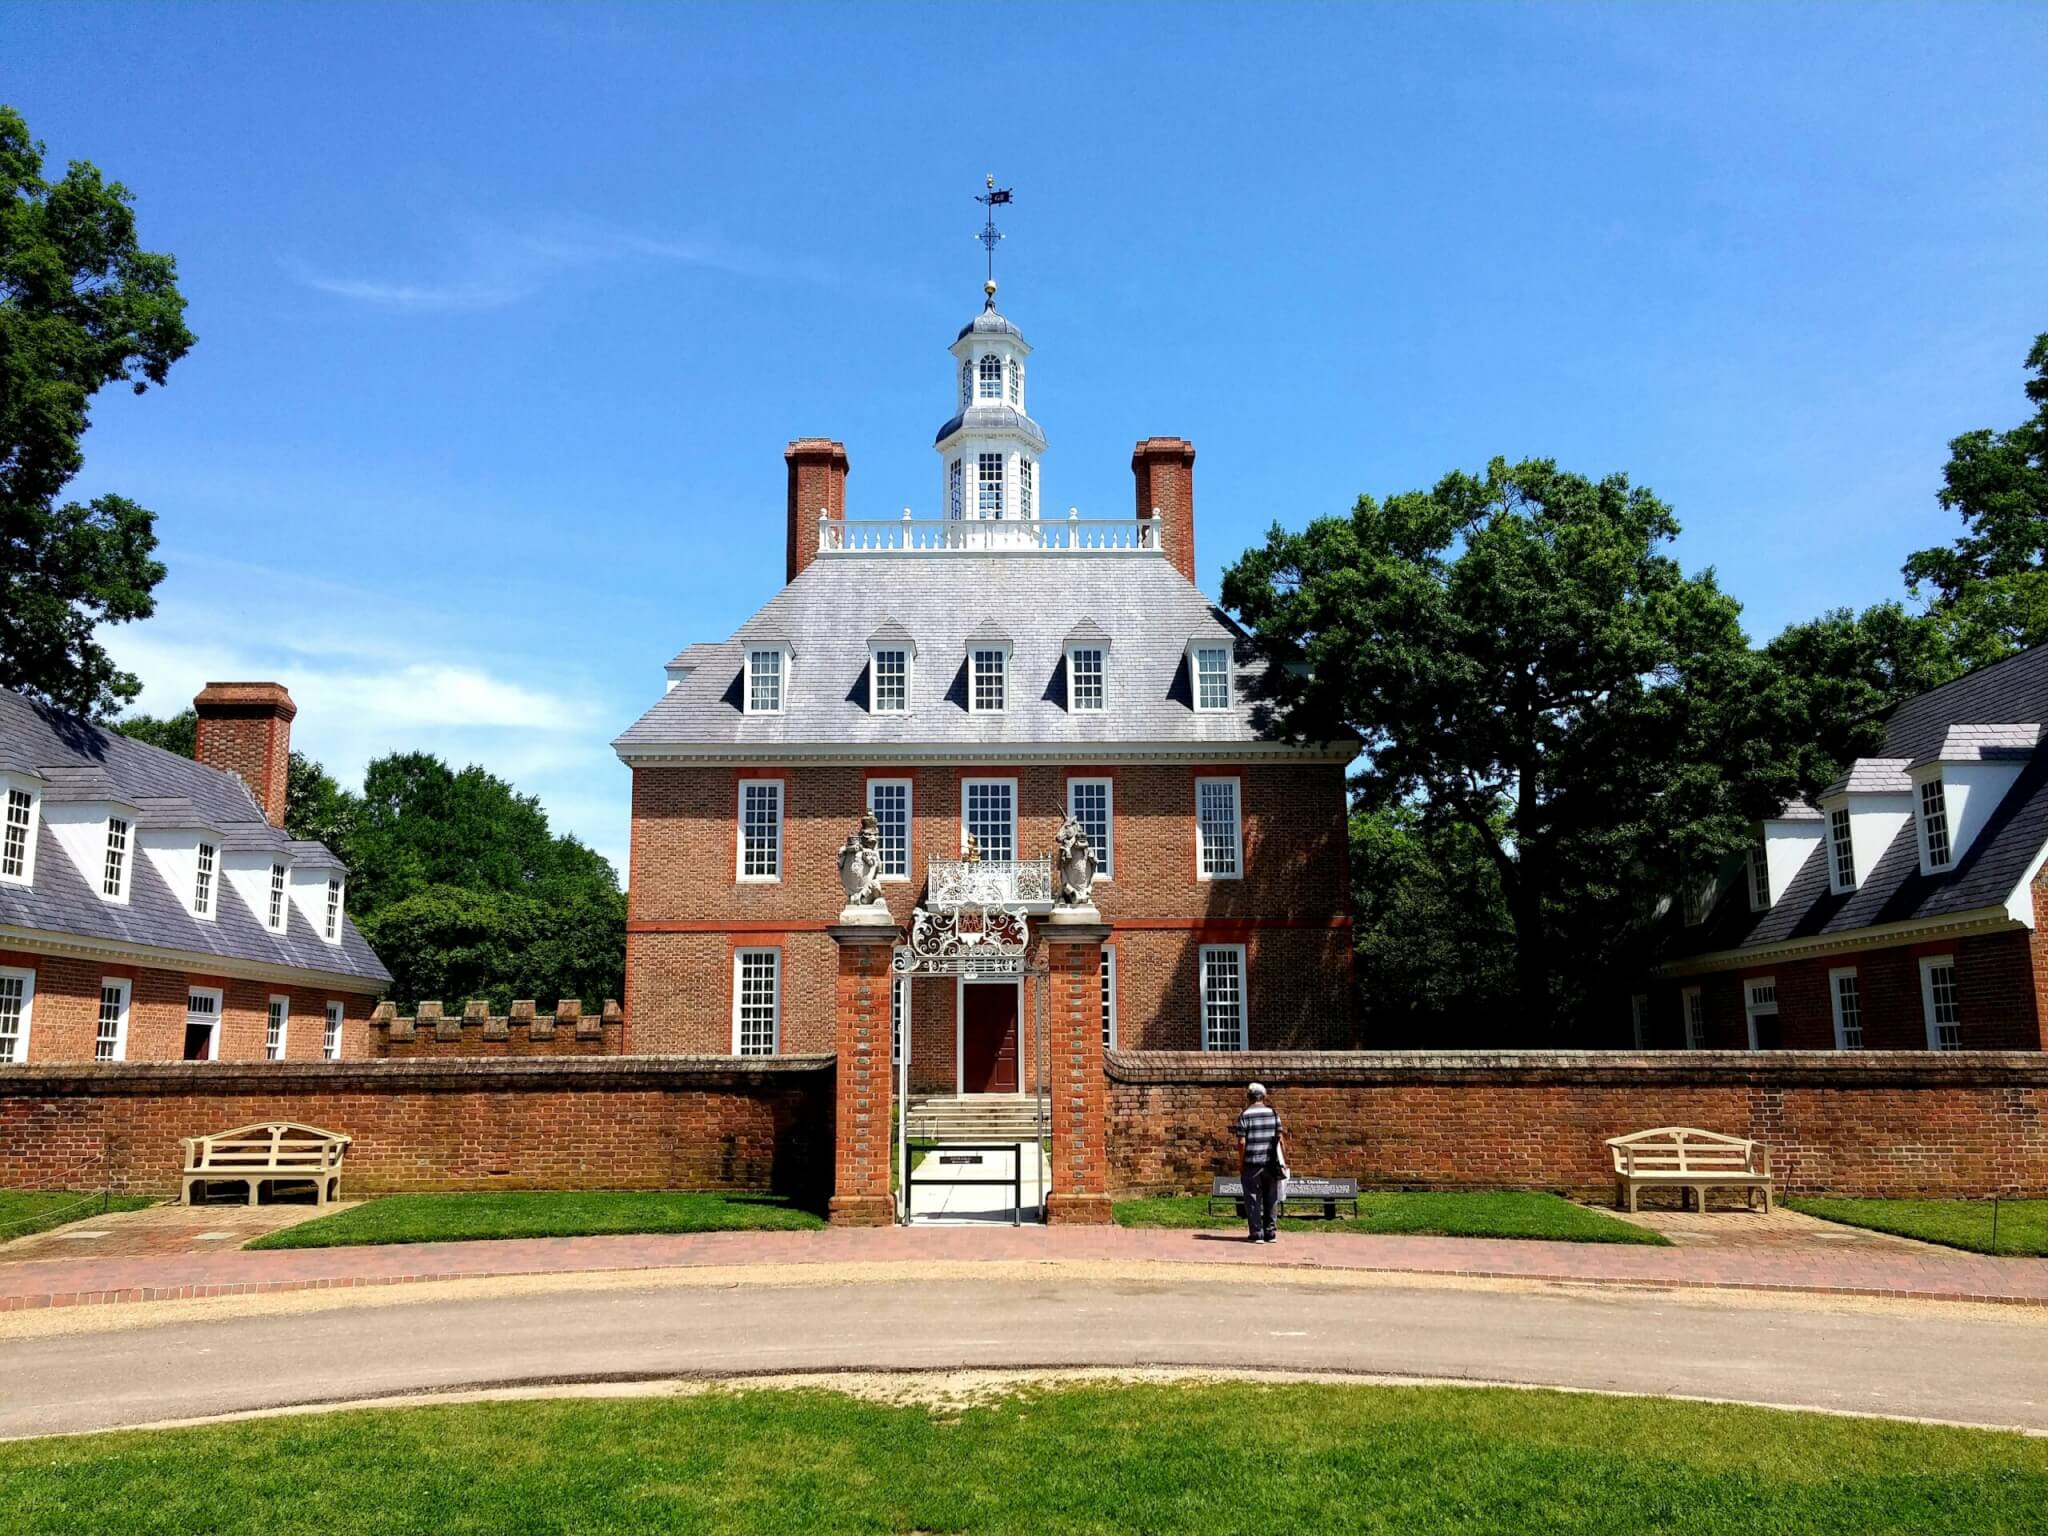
(860, 864)
(1076, 864)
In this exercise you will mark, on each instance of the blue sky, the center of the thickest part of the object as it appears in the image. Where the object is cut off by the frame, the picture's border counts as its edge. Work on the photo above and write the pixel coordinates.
(505, 314)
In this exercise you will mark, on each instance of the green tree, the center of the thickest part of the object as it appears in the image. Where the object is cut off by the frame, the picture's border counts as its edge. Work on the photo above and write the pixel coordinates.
(1520, 658)
(1989, 589)
(453, 944)
(177, 733)
(82, 306)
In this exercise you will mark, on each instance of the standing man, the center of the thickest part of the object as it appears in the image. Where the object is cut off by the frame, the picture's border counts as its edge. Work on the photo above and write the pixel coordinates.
(1260, 1164)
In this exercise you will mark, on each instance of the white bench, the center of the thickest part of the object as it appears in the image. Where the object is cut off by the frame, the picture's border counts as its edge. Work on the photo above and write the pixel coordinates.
(1680, 1156)
(278, 1151)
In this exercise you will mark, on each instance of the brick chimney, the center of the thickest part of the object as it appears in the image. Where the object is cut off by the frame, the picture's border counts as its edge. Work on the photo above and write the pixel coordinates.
(246, 728)
(817, 480)
(1164, 468)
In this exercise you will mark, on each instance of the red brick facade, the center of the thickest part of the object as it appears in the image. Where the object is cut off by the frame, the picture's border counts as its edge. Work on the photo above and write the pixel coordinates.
(863, 1149)
(1078, 1192)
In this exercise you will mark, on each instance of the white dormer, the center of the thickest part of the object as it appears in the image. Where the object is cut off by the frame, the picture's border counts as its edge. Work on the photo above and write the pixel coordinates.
(989, 683)
(678, 671)
(185, 853)
(21, 806)
(319, 890)
(262, 878)
(892, 654)
(1787, 841)
(1957, 790)
(1866, 810)
(1087, 651)
(1211, 669)
(99, 837)
(764, 689)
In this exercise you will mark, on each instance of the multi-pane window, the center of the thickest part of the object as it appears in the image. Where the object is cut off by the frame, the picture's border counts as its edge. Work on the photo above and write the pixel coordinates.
(1092, 802)
(277, 898)
(1934, 822)
(756, 1001)
(1016, 383)
(889, 800)
(1848, 1000)
(1759, 879)
(202, 880)
(110, 1038)
(987, 691)
(202, 1024)
(966, 385)
(17, 992)
(1223, 997)
(274, 1025)
(956, 480)
(892, 681)
(1938, 997)
(1695, 1019)
(990, 811)
(330, 1035)
(899, 1018)
(14, 837)
(1212, 677)
(1842, 849)
(1761, 1011)
(1085, 670)
(988, 484)
(1026, 478)
(760, 829)
(114, 878)
(1216, 829)
(1109, 997)
(764, 682)
(333, 927)
(991, 377)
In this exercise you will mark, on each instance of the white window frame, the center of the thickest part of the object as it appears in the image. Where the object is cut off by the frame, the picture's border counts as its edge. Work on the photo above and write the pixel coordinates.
(277, 1012)
(1196, 650)
(1105, 850)
(1692, 1011)
(1013, 381)
(118, 866)
(1933, 821)
(966, 786)
(280, 914)
(1100, 652)
(8, 790)
(1759, 872)
(1639, 1019)
(991, 492)
(1243, 995)
(1835, 1010)
(966, 383)
(958, 485)
(739, 958)
(976, 652)
(1109, 997)
(118, 1046)
(899, 1017)
(909, 788)
(1236, 870)
(219, 1018)
(748, 687)
(1841, 851)
(1929, 964)
(27, 978)
(1754, 1008)
(206, 875)
(334, 1021)
(1027, 486)
(875, 655)
(988, 378)
(740, 830)
(331, 928)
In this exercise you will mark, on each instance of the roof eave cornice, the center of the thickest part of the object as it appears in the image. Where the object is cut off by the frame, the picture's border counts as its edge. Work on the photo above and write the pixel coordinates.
(47, 941)
(1953, 925)
(638, 754)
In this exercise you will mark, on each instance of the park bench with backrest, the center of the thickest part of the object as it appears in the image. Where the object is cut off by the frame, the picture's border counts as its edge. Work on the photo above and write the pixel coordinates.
(275, 1152)
(1683, 1158)
(1313, 1196)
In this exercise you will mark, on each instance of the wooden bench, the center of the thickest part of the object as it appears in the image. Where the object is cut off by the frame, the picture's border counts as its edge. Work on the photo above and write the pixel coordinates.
(1678, 1156)
(276, 1152)
(1325, 1193)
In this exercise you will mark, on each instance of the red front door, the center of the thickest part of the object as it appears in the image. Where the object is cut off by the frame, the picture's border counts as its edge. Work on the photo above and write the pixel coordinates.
(988, 1032)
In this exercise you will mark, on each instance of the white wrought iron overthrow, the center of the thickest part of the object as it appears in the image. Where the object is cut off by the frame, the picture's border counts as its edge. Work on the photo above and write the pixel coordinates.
(965, 940)
(989, 882)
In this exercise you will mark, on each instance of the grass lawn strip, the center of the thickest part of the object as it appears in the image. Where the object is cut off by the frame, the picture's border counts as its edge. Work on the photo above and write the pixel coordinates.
(1502, 1213)
(1214, 1458)
(464, 1218)
(2022, 1224)
(23, 1211)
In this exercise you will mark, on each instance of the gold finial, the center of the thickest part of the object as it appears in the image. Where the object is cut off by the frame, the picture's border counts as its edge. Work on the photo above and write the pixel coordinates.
(991, 180)
(989, 288)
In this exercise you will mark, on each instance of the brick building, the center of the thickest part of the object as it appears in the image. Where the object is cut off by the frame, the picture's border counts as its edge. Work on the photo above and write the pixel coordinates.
(973, 680)
(1902, 911)
(152, 907)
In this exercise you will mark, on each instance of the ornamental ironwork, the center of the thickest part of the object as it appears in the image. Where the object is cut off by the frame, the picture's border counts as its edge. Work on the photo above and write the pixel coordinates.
(968, 940)
(989, 882)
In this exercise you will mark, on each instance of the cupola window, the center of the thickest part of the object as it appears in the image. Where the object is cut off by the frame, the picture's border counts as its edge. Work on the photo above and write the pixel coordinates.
(989, 485)
(1026, 488)
(966, 385)
(957, 504)
(1016, 383)
(991, 377)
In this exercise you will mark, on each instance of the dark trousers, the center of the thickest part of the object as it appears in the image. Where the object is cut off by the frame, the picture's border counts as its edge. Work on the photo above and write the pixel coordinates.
(1262, 1199)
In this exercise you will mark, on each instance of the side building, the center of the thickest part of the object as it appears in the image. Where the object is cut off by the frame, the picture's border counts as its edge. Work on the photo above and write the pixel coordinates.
(1904, 910)
(972, 681)
(153, 908)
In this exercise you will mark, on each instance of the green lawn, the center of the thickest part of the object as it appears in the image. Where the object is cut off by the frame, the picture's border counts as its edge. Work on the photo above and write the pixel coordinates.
(23, 1211)
(1497, 1213)
(2022, 1224)
(1216, 1460)
(455, 1218)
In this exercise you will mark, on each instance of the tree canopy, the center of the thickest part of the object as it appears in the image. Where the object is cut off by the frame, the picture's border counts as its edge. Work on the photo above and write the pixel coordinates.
(82, 306)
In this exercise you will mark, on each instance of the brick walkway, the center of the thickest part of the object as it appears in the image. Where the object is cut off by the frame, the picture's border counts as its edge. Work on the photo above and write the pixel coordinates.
(157, 1230)
(1910, 1271)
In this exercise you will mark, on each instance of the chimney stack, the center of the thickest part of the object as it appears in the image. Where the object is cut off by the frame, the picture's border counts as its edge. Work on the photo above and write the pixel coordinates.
(1164, 468)
(246, 728)
(817, 482)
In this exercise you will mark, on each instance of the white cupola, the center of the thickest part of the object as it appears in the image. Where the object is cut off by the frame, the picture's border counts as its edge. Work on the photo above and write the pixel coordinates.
(989, 451)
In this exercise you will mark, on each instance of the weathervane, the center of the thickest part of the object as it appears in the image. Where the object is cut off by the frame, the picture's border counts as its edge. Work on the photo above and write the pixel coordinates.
(990, 234)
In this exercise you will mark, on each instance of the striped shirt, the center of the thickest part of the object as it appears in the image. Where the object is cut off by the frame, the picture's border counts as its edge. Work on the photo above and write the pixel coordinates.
(1258, 1128)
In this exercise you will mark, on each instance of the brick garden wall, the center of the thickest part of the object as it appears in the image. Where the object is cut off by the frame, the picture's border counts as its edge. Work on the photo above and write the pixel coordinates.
(564, 1030)
(540, 1123)
(1875, 1123)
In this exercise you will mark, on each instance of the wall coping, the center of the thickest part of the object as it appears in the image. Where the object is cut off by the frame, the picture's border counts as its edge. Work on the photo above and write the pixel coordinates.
(1772, 1069)
(496, 1073)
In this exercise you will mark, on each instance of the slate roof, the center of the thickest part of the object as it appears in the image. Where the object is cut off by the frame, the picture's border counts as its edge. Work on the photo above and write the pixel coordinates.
(1895, 891)
(81, 761)
(1874, 776)
(989, 322)
(990, 417)
(1149, 610)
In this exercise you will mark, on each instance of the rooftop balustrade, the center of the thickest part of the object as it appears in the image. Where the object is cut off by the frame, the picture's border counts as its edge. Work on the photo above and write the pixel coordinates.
(939, 536)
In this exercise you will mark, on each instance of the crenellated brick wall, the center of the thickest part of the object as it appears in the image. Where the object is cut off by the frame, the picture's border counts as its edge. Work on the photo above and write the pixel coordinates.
(476, 1031)
(1875, 1123)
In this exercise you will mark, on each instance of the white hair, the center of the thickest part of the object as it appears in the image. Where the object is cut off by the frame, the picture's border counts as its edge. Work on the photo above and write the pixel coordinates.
(1257, 1090)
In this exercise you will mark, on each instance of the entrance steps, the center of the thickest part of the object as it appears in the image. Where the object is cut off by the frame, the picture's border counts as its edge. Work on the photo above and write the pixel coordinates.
(976, 1117)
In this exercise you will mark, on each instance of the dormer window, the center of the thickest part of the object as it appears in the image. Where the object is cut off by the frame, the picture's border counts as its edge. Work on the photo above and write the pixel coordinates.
(767, 674)
(1934, 846)
(1086, 671)
(1759, 879)
(17, 836)
(332, 929)
(988, 680)
(114, 875)
(892, 681)
(1841, 852)
(988, 484)
(202, 880)
(991, 377)
(1209, 671)
(276, 919)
